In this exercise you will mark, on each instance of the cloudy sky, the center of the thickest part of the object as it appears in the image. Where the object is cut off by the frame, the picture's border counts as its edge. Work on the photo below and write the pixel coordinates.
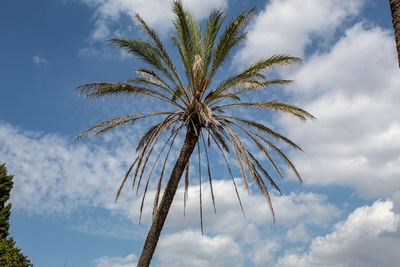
(347, 211)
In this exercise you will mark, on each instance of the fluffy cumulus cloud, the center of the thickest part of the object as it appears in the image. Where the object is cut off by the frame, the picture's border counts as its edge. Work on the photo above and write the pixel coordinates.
(310, 208)
(368, 237)
(288, 26)
(74, 175)
(155, 12)
(190, 248)
(353, 91)
(54, 175)
(128, 261)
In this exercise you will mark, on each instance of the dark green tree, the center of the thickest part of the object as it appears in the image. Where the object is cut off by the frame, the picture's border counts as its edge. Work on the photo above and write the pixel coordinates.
(6, 185)
(198, 108)
(10, 255)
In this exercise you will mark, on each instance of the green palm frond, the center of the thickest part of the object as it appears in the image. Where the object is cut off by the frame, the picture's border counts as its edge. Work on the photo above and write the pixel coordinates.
(144, 51)
(151, 76)
(263, 85)
(166, 58)
(273, 105)
(184, 41)
(252, 76)
(91, 90)
(117, 121)
(214, 23)
(264, 129)
(230, 38)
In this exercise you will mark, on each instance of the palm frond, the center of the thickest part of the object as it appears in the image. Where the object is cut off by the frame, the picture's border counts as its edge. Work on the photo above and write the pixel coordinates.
(264, 150)
(185, 44)
(251, 77)
(264, 129)
(200, 196)
(239, 87)
(156, 198)
(149, 75)
(144, 51)
(209, 172)
(125, 179)
(220, 139)
(263, 85)
(230, 172)
(236, 141)
(152, 136)
(229, 39)
(117, 120)
(237, 154)
(276, 149)
(285, 159)
(91, 90)
(154, 36)
(214, 23)
(266, 174)
(101, 89)
(173, 136)
(115, 124)
(260, 183)
(273, 105)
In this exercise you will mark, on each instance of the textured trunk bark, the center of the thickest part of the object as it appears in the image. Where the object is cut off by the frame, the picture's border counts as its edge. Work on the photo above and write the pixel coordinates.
(169, 193)
(395, 10)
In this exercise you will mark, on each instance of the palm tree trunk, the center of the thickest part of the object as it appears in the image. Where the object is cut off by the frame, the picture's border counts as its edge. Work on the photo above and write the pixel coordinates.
(395, 10)
(169, 193)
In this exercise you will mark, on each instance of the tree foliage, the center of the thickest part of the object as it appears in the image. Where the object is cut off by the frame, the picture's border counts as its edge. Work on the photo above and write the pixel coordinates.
(6, 185)
(10, 255)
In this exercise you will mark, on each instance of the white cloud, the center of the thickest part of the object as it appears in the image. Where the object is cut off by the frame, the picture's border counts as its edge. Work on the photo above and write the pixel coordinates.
(128, 261)
(288, 26)
(54, 175)
(38, 60)
(368, 237)
(353, 91)
(263, 252)
(297, 234)
(155, 12)
(307, 207)
(190, 248)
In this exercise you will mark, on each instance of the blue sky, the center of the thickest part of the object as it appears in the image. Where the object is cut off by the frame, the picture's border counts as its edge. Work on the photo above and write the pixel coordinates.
(63, 198)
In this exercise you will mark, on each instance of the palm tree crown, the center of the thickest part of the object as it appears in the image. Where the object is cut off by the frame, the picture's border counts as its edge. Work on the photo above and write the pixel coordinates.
(198, 106)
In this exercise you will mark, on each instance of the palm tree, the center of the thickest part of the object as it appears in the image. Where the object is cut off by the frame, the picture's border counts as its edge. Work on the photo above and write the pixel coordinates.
(198, 108)
(395, 11)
